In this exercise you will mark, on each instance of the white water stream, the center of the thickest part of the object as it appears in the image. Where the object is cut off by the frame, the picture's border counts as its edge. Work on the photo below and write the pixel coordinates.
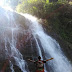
(50, 46)
(8, 35)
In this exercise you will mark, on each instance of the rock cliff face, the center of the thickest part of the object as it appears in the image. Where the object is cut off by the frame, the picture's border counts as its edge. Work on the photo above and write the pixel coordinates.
(66, 46)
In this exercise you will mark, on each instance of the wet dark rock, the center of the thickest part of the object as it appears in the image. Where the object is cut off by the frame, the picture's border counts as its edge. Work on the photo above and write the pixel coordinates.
(66, 47)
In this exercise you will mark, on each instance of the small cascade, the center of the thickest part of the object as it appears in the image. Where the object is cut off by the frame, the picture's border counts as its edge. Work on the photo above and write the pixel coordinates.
(9, 31)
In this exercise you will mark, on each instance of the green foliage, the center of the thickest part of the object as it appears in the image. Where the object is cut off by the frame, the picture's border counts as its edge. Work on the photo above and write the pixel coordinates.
(62, 22)
(31, 6)
(37, 7)
(47, 1)
(58, 14)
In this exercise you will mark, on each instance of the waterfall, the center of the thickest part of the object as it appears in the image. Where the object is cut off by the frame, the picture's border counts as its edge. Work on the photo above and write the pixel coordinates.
(46, 46)
(9, 30)
(50, 47)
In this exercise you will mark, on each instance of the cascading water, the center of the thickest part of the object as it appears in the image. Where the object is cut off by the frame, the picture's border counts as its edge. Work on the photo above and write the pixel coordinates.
(8, 36)
(50, 47)
(9, 30)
